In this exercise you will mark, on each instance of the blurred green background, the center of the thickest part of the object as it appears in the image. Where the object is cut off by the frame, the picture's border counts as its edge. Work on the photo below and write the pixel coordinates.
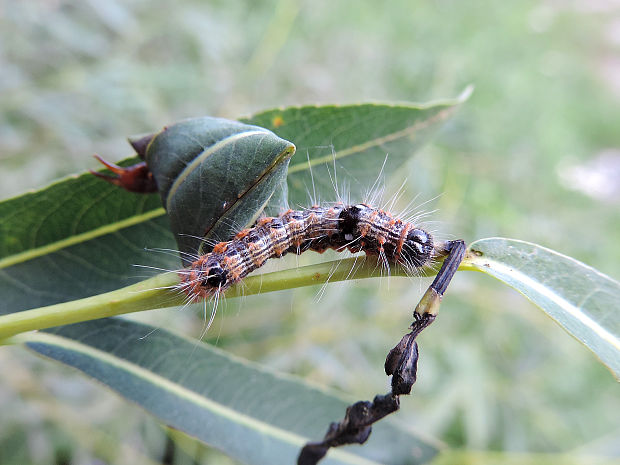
(534, 155)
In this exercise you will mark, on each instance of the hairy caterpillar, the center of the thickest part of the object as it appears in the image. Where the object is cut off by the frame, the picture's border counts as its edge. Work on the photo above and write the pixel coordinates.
(340, 227)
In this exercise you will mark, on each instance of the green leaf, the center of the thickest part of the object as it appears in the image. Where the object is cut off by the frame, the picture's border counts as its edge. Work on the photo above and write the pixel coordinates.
(345, 147)
(251, 414)
(581, 299)
(82, 237)
(62, 265)
(70, 211)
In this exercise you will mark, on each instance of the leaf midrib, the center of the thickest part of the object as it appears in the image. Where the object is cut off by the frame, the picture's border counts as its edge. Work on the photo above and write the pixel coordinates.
(80, 238)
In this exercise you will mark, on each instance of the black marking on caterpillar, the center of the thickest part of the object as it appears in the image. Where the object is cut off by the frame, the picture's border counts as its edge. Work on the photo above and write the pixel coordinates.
(340, 227)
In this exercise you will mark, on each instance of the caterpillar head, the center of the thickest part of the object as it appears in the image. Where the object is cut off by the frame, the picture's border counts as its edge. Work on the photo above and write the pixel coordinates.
(417, 248)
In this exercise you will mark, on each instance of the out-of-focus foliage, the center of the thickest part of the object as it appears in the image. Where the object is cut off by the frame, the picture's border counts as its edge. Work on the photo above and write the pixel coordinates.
(534, 154)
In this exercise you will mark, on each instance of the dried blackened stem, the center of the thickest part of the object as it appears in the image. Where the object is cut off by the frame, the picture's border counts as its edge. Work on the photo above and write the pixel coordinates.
(456, 253)
(402, 360)
(355, 428)
(401, 363)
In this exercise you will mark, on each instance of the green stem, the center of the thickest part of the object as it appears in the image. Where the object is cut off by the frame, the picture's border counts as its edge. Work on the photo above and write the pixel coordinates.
(159, 292)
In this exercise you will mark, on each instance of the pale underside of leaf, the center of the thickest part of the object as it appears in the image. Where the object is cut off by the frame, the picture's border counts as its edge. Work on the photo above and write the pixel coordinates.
(582, 300)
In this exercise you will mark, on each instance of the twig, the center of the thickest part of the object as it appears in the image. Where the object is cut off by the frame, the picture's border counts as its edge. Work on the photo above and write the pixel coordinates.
(356, 426)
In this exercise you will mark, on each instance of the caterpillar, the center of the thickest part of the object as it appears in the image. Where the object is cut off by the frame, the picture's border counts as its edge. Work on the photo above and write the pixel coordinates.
(340, 227)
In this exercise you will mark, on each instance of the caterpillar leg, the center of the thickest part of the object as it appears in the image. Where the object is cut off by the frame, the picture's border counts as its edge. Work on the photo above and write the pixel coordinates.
(137, 178)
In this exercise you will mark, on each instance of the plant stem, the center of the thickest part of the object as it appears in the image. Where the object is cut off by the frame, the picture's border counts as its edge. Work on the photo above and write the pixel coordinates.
(160, 292)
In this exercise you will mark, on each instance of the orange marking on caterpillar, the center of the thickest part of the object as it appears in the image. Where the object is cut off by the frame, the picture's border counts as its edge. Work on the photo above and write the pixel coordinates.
(242, 234)
(401, 239)
(220, 247)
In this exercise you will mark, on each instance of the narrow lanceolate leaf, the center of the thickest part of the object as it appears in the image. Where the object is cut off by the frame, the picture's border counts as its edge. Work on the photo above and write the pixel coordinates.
(345, 150)
(82, 236)
(249, 413)
(583, 301)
